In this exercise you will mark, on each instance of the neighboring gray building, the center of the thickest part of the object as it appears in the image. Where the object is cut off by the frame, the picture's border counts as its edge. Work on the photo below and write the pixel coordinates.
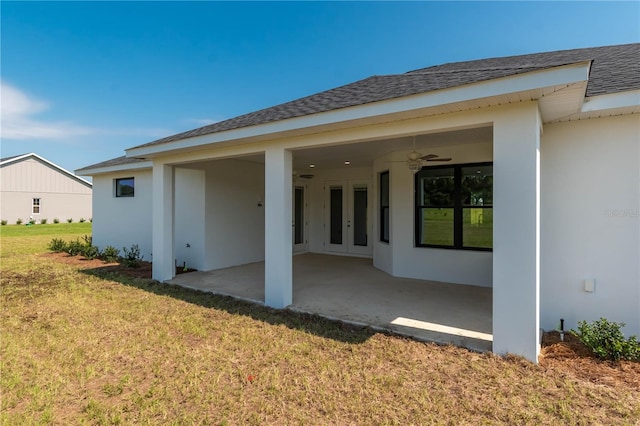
(32, 187)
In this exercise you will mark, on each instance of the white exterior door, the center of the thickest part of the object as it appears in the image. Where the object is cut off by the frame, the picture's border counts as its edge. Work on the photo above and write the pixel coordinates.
(299, 218)
(348, 216)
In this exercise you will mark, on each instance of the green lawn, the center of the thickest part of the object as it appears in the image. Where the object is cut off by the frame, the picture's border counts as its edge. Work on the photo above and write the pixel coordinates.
(80, 347)
(25, 239)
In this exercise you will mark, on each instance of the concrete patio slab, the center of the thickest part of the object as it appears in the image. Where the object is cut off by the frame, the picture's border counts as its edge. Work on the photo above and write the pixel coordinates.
(350, 289)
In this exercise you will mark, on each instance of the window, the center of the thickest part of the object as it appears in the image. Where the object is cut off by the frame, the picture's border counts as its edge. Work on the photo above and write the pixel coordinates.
(125, 187)
(36, 206)
(454, 207)
(384, 207)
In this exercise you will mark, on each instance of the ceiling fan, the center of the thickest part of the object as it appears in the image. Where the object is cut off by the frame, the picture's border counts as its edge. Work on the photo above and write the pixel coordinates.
(416, 160)
(297, 175)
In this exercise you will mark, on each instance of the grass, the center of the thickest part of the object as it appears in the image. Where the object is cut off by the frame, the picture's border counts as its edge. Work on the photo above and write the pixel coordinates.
(78, 348)
(477, 227)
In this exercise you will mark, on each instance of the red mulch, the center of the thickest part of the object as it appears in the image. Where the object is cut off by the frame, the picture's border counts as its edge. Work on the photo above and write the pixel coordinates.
(143, 271)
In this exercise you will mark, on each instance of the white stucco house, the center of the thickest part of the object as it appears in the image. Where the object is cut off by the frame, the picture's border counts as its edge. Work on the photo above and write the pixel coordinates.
(34, 188)
(534, 191)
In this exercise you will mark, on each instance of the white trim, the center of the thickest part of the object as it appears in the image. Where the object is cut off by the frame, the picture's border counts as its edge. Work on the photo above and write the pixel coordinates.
(37, 157)
(555, 76)
(612, 101)
(89, 171)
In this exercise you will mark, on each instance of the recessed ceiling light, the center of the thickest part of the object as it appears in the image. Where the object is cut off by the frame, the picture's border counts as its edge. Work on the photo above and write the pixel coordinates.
(347, 162)
(311, 166)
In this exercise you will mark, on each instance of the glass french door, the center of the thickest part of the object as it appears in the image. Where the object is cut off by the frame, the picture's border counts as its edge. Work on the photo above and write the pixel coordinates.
(348, 217)
(299, 219)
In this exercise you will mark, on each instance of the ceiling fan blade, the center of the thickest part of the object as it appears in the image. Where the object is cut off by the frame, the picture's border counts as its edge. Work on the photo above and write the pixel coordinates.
(438, 159)
(429, 157)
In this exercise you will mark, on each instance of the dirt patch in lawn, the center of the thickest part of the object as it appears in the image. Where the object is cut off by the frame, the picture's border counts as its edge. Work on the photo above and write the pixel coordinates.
(568, 357)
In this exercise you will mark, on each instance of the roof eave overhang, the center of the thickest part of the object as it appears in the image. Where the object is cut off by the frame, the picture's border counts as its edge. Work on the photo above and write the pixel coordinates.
(612, 101)
(531, 81)
(609, 105)
(93, 171)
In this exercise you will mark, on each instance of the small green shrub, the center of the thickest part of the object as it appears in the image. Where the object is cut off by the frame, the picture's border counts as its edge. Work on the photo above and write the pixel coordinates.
(58, 245)
(56, 220)
(606, 341)
(110, 254)
(75, 247)
(19, 221)
(88, 240)
(82, 220)
(90, 252)
(32, 221)
(91, 219)
(43, 221)
(132, 256)
(69, 220)
(3, 222)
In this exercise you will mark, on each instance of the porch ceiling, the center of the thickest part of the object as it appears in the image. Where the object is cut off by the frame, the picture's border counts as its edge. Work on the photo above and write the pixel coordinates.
(362, 154)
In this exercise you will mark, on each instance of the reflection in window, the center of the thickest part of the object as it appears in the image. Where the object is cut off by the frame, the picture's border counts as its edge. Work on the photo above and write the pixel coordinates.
(384, 207)
(454, 206)
(125, 187)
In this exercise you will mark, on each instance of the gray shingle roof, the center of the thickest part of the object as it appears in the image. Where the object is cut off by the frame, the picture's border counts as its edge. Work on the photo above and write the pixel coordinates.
(614, 69)
(113, 162)
(2, 160)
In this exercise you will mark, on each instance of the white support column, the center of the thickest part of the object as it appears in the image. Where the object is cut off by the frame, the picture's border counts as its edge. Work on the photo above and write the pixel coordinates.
(278, 279)
(516, 232)
(162, 227)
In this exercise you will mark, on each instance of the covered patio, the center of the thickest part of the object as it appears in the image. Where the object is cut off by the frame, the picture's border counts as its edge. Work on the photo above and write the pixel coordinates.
(350, 289)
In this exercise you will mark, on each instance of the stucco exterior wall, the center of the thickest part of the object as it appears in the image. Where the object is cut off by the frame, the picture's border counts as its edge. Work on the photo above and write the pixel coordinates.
(61, 196)
(123, 221)
(189, 217)
(234, 223)
(590, 221)
(452, 266)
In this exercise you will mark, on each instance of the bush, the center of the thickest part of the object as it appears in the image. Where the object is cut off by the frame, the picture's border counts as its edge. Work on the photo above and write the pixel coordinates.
(88, 240)
(43, 221)
(606, 341)
(75, 247)
(57, 245)
(90, 252)
(132, 256)
(110, 254)
(19, 221)
(32, 221)
(69, 220)
(56, 220)
(3, 222)
(91, 219)
(82, 220)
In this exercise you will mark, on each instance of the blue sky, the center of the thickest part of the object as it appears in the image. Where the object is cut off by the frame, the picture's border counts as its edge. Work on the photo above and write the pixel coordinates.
(82, 81)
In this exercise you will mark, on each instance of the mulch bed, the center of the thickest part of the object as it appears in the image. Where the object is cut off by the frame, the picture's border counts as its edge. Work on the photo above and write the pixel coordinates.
(143, 271)
(569, 356)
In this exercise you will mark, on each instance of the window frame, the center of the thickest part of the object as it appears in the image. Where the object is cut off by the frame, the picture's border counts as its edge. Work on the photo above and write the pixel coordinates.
(36, 203)
(458, 209)
(384, 208)
(116, 183)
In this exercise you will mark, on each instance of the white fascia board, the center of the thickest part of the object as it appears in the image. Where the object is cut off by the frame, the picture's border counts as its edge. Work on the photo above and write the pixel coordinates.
(116, 168)
(556, 76)
(612, 101)
(18, 158)
(44, 160)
